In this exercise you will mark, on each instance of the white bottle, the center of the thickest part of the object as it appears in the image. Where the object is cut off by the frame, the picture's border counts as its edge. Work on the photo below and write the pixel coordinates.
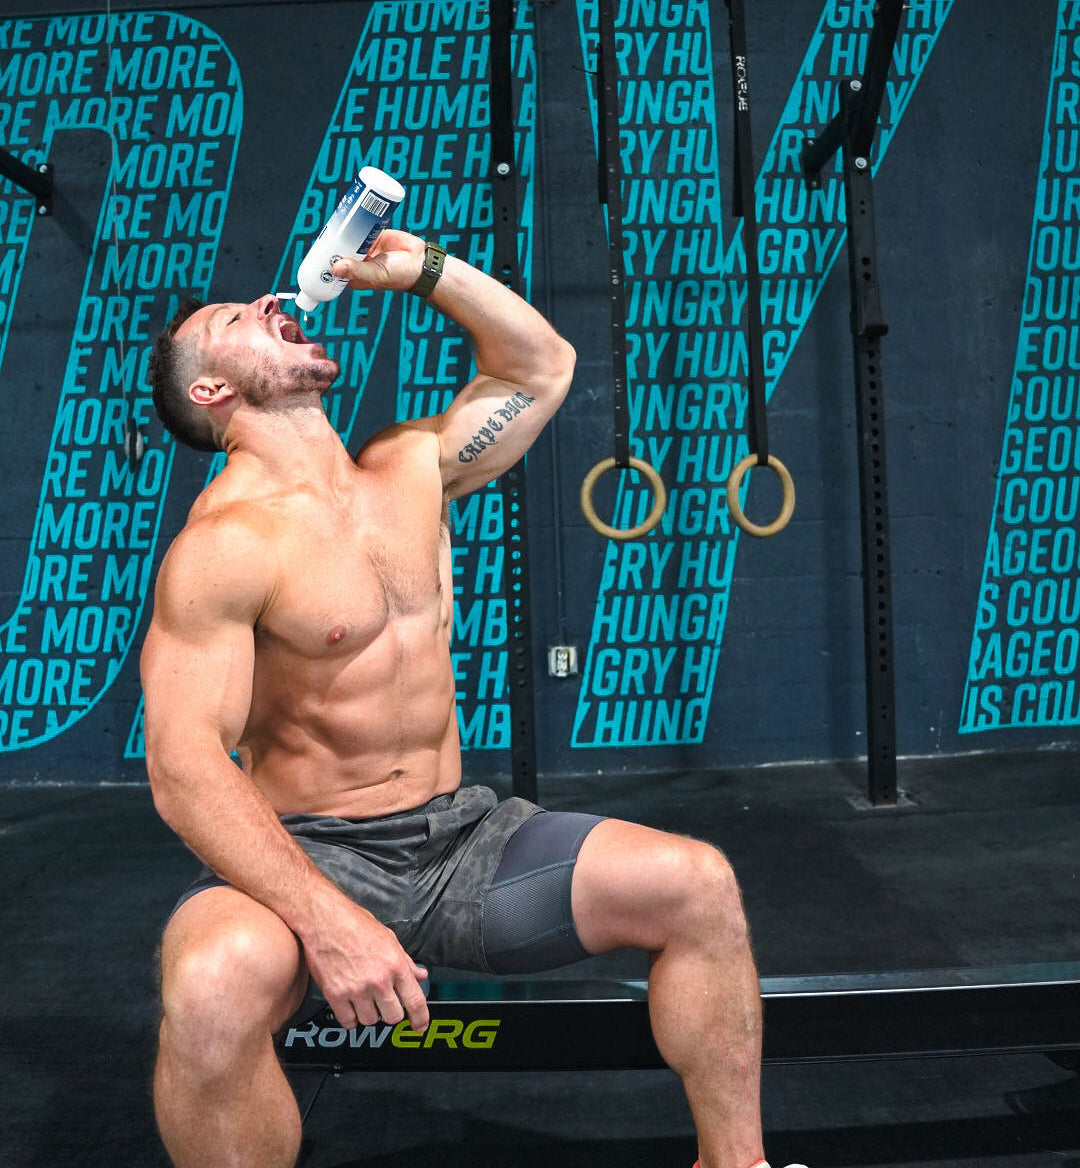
(354, 226)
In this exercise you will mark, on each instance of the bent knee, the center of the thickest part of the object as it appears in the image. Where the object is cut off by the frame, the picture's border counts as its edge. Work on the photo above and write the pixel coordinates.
(709, 891)
(238, 978)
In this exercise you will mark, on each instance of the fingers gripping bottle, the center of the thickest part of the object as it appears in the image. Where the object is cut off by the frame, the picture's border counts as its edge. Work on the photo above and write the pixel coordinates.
(363, 212)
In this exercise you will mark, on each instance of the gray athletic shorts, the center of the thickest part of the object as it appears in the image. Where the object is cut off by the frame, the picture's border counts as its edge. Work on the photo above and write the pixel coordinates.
(464, 880)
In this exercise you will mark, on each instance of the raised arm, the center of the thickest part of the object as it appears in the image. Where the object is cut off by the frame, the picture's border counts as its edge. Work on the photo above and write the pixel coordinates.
(197, 663)
(523, 366)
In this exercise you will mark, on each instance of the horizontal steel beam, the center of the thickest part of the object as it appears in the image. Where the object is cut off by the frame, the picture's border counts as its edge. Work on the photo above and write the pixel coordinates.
(35, 181)
(587, 1026)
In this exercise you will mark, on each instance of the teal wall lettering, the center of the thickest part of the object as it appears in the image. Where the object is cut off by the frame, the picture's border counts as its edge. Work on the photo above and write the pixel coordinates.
(1024, 642)
(157, 233)
(686, 341)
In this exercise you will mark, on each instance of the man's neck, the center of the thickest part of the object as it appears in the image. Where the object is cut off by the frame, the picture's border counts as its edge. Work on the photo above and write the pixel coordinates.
(292, 444)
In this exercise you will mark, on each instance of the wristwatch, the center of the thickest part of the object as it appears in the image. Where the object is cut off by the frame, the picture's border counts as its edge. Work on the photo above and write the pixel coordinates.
(434, 258)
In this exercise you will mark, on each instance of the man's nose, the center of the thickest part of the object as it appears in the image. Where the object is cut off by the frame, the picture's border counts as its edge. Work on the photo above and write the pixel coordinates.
(266, 306)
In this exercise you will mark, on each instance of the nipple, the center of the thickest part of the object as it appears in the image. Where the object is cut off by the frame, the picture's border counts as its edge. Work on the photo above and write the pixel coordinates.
(336, 634)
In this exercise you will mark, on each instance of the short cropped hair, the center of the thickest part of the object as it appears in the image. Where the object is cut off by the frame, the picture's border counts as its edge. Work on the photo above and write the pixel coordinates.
(172, 368)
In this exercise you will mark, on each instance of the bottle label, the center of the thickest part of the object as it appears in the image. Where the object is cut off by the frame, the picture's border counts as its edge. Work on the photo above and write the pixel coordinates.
(374, 205)
(327, 275)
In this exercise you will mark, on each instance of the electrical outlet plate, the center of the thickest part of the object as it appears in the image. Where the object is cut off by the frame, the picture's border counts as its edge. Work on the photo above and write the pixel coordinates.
(562, 660)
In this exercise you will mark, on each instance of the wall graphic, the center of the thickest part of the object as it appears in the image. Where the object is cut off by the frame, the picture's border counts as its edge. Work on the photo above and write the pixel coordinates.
(397, 110)
(1025, 652)
(165, 91)
(403, 84)
(662, 603)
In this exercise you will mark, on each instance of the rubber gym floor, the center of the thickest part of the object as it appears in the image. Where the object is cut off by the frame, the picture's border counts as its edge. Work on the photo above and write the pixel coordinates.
(981, 870)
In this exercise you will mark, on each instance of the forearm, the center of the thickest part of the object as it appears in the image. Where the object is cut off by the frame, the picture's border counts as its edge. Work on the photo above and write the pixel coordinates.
(358, 962)
(513, 342)
(231, 826)
(524, 368)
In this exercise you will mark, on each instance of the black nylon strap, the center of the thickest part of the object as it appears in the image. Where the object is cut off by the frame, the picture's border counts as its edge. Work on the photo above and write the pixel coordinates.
(744, 206)
(609, 178)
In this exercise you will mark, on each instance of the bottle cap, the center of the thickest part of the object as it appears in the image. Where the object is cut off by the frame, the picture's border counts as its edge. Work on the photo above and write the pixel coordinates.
(382, 183)
(305, 303)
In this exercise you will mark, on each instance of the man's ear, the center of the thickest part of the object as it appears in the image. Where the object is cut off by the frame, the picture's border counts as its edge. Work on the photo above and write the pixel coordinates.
(210, 391)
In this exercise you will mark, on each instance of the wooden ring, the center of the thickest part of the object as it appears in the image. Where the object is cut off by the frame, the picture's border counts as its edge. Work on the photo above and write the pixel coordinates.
(651, 520)
(786, 508)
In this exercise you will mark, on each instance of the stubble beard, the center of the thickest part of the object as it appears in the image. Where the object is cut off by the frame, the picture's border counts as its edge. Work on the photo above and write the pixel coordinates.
(273, 384)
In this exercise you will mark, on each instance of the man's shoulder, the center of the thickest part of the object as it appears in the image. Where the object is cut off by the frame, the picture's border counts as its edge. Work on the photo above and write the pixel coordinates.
(218, 520)
(224, 542)
(414, 439)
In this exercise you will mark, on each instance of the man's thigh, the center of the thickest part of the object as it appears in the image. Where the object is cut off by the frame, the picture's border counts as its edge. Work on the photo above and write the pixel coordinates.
(528, 919)
(633, 884)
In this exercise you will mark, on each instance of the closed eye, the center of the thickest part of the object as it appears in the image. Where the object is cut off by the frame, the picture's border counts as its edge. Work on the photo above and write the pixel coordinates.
(231, 320)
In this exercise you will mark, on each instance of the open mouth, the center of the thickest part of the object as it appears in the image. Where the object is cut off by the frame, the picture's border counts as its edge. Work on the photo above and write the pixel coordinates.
(290, 331)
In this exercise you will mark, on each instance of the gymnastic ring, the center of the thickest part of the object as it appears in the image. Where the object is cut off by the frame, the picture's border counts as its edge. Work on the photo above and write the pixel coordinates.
(787, 505)
(651, 520)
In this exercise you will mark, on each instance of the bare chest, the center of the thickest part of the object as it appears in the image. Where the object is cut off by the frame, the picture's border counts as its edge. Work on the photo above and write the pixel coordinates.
(343, 581)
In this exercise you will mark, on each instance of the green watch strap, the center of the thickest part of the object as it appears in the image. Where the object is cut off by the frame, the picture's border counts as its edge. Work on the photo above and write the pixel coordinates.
(434, 258)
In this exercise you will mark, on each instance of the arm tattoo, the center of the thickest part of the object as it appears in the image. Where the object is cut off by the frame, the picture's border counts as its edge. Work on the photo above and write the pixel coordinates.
(487, 434)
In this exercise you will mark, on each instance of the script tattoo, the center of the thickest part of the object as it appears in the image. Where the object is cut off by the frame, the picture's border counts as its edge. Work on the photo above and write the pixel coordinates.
(486, 435)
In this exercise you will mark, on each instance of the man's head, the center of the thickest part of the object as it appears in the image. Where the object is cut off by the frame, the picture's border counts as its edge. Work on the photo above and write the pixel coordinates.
(212, 358)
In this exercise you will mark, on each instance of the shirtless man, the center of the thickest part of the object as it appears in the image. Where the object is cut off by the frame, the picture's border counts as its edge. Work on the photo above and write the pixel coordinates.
(302, 617)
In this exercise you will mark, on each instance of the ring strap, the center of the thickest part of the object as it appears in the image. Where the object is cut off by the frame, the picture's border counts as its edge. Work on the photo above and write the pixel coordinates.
(609, 182)
(744, 206)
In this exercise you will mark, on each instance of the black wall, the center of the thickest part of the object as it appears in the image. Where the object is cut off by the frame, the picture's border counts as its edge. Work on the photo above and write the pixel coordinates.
(199, 150)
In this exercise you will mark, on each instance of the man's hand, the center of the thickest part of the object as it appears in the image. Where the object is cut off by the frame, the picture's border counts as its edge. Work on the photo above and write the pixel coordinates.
(363, 972)
(393, 264)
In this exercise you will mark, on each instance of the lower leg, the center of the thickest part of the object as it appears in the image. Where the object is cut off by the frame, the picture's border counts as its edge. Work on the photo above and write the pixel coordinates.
(706, 1016)
(678, 899)
(231, 974)
(240, 1112)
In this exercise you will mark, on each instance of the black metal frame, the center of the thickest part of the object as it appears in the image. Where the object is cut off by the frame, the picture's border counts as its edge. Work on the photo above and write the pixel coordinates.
(37, 181)
(852, 132)
(512, 484)
(596, 1026)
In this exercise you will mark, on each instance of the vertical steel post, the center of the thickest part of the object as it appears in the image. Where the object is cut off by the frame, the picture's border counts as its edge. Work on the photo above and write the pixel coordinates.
(512, 484)
(852, 132)
(867, 329)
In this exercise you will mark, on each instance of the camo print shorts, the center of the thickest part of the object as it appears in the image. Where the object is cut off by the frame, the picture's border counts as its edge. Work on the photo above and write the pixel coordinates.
(464, 880)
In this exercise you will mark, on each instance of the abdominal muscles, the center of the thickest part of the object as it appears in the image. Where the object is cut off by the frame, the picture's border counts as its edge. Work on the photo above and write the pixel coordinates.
(355, 729)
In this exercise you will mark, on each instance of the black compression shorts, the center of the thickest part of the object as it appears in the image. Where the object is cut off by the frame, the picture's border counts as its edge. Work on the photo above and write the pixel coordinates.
(464, 881)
